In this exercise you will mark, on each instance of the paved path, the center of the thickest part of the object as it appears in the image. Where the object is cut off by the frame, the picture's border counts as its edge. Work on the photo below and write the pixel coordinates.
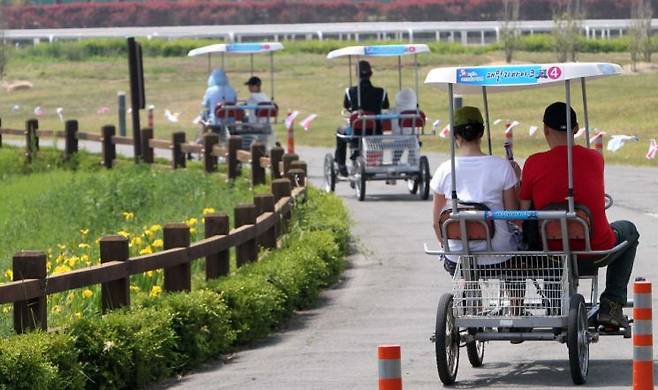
(389, 295)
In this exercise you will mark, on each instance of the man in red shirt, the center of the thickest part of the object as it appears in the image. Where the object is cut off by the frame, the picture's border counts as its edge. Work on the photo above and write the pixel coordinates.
(545, 181)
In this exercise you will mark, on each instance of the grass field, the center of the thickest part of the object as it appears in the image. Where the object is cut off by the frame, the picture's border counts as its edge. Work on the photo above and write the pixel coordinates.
(312, 84)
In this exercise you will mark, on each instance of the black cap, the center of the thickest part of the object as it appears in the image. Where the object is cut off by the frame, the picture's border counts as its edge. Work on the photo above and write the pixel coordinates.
(555, 116)
(365, 69)
(253, 80)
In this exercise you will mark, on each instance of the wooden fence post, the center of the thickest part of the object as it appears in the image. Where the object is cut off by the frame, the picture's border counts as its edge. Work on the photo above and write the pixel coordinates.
(287, 160)
(265, 204)
(257, 173)
(178, 157)
(209, 142)
(0, 133)
(178, 277)
(147, 150)
(276, 155)
(297, 177)
(298, 164)
(35, 138)
(217, 265)
(31, 313)
(71, 138)
(115, 294)
(245, 214)
(234, 144)
(280, 189)
(109, 148)
(29, 141)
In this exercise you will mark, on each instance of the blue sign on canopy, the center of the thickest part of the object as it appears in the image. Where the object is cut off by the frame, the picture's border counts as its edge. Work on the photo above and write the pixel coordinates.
(505, 75)
(244, 47)
(386, 50)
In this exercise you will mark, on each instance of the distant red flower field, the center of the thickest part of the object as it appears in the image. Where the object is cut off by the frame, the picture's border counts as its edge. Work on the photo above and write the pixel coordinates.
(191, 12)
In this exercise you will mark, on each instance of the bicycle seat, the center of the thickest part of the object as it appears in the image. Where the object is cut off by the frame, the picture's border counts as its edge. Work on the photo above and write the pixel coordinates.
(361, 125)
(578, 230)
(475, 230)
(412, 119)
(228, 111)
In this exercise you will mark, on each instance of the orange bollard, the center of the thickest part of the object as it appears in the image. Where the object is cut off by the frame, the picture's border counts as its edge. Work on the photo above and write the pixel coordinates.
(390, 369)
(642, 336)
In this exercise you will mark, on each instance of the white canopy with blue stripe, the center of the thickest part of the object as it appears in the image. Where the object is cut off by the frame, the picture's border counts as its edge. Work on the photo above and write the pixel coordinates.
(237, 48)
(379, 51)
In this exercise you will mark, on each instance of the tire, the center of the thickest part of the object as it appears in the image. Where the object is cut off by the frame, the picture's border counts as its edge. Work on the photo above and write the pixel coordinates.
(425, 178)
(360, 179)
(412, 184)
(329, 173)
(577, 340)
(447, 341)
(475, 352)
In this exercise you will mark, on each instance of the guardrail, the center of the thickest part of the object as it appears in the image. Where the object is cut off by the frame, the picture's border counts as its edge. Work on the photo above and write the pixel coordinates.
(257, 225)
(280, 164)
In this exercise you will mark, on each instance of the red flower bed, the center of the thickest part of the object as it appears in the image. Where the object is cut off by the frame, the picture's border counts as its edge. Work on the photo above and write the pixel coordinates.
(194, 12)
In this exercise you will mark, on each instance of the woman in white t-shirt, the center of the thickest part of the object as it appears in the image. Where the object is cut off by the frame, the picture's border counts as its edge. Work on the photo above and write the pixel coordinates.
(480, 178)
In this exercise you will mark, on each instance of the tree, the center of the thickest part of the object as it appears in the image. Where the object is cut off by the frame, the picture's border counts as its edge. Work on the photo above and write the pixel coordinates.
(640, 32)
(568, 18)
(509, 31)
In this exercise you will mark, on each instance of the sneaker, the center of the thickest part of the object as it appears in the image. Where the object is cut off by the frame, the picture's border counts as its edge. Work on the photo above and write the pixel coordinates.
(342, 171)
(611, 314)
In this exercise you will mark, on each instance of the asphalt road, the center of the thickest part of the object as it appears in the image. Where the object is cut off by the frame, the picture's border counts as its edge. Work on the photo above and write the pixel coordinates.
(389, 294)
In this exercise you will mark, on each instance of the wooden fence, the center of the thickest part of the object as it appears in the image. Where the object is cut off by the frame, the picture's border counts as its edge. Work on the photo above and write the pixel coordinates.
(257, 225)
(258, 157)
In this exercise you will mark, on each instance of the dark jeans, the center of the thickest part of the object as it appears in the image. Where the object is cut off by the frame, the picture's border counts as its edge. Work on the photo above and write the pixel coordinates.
(620, 264)
(341, 143)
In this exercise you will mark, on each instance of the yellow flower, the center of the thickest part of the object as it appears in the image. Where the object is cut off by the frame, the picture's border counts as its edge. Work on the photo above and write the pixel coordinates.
(72, 261)
(208, 210)
(158, 243)
(9, 274)
(155, 228)
(82, 245)
(136, 241)
(6, 309)
(57, 309)
(49, 265)
(70, 297)
(124, 233)
(61, 269)
(134, 288)
(192, 222)
(78, 315)
(146, 251)
(85, 259)
(155, 291)
(192, 230)
(59, 259)
(61, 246)
(149, 274)
(128, 216)
(87, 293)
(84, 232)
(148, 233)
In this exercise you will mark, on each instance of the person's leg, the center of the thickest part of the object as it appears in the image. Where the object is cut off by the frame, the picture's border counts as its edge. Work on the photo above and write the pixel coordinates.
(618, 274)
(341, 151)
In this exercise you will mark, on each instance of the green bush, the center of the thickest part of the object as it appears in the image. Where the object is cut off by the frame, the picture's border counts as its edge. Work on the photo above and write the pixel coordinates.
(201, 321)
(39, 361)
(126, 349)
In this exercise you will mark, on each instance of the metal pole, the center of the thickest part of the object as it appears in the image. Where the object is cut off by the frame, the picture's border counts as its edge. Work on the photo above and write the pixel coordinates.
(399, 73)
(486, 117)
(251, 63)
(122, 113)
(570, 142)
(272, 75)
(358, 83)
(349, 58)
(582, 82)
(451, 109)
(417, 80)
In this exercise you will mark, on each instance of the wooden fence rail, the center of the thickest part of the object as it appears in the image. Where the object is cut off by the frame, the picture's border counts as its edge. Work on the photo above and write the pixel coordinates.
(258, 157)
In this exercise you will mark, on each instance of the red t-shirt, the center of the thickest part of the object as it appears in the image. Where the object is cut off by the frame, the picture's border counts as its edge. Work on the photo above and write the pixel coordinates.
(545, 181)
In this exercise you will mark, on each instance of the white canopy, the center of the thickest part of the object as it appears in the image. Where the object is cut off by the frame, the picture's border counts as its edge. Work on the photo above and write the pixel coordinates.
(237, 48)
(498, 78)
(379, 51)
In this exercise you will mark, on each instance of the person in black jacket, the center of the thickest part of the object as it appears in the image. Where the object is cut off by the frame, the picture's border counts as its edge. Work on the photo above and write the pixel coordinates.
(372, 100)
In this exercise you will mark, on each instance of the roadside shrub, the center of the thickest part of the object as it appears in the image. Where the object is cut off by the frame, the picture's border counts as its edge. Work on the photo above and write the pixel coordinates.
(201, 321)
(126, 349)
(324, 211)
(39, 361)
(257, 306)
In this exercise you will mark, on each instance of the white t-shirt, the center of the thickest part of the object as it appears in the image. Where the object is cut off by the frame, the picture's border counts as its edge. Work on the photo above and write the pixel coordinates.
(480, 179)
